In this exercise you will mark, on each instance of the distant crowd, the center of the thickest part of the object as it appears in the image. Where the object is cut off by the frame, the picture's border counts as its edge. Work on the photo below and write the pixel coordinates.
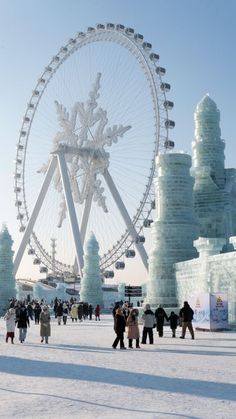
(126, 318)
(20, 313)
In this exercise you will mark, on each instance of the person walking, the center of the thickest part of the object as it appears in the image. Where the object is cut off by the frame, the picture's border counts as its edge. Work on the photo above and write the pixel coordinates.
(186, 313)
(10, 318)
(37, 311)
(160, 316)
(65, 313)
(173, 319)
(97, 312)
(119, 329)
(45, 327)
(23, 323)
(74, 312)
(133, 329)
(59, 312)
(148, 324)
(90, 311)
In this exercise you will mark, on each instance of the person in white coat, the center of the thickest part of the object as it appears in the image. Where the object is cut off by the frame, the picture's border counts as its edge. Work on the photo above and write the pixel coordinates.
(10, 319)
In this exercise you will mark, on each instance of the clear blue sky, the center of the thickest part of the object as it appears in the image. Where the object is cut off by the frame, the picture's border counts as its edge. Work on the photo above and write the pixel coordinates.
(195, 39)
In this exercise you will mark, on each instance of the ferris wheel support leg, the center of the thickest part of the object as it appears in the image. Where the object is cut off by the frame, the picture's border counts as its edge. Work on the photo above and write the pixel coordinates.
(84, 223)
(125, 215)
(71, 209)
(33, 218)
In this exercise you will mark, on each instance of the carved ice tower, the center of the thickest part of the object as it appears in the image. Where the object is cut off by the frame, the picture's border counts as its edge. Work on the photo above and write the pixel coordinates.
(175, 228)
(7, 280)
(211, 200)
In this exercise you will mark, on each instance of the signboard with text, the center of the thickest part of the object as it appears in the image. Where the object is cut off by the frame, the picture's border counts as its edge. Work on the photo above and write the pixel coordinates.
(210, 310)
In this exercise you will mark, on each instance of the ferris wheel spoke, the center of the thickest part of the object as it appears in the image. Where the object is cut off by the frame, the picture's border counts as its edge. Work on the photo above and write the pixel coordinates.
(84, 223)
(37, 207)
(125, 215)
(71, 209)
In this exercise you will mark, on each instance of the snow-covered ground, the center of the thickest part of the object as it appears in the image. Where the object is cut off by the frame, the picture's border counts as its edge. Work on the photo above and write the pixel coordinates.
(79, 375)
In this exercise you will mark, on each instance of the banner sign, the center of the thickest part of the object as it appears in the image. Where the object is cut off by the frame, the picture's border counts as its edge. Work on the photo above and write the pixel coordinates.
(219, 310)
(210, 310)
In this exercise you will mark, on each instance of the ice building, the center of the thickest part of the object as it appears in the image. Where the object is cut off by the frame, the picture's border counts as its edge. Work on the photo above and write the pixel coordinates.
(176, 274)
(215, 207)
(7, 280)
(91, 284)
(175, 228)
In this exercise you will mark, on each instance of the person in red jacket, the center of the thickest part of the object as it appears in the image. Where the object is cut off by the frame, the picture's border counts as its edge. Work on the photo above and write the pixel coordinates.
(97, 312)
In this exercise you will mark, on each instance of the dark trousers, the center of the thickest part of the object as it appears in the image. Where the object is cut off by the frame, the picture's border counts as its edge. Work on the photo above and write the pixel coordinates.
(119, 337)
(131, 343)
(147, 331)
(173, 333)
(160, 330)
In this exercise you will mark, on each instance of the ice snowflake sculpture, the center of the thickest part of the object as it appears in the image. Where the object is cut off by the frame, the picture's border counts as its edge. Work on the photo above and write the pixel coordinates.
(86, 134)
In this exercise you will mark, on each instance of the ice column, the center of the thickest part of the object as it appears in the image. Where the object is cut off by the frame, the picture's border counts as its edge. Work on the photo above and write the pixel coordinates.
(91, 284)
(7, 280)
(210, 200)
(174, 229)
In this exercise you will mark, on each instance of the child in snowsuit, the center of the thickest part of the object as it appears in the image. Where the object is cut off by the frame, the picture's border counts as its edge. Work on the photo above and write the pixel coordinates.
(173, 319)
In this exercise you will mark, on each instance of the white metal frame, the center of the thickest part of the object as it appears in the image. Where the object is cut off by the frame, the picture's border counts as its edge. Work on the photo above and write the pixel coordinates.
(139, 50)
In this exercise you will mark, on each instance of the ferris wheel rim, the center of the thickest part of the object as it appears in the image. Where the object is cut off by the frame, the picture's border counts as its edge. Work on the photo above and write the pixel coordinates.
(137, 49)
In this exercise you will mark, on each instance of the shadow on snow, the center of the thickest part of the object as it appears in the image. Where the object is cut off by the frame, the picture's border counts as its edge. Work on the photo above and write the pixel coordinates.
(34, 368)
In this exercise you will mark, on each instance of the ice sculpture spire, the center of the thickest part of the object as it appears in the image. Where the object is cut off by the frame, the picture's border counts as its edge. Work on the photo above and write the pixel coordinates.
(208, 148)
(208, 168)
(7, 281)
(91, 285)
(174, 229)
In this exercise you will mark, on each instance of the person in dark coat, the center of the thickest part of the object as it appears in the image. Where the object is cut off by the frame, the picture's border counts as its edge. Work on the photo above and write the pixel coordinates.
(65, 313)
(173, 319)
(37, 311)
(186, 313)
(22, 323)
(59, 312)
(119, 329)
(90, 310)
(160, 316)
(85, 310)
(30, 310)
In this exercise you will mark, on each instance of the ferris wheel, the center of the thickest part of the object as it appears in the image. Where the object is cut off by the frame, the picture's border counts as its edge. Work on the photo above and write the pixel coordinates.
(96, 120)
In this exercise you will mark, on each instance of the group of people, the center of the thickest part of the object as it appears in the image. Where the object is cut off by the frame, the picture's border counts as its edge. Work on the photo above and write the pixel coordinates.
(18, 316)
(124, 318)
(77, 311)
(20, 313)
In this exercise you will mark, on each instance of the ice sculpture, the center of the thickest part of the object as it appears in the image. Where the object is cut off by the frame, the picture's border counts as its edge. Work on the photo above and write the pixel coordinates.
(215, 206)
(48, 294)
(7, 280)
(174, 229)
(91, 284)
(210, 197)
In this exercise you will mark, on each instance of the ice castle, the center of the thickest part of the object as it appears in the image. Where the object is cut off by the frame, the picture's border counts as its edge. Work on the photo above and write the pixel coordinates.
(194, 233)
(7, 280)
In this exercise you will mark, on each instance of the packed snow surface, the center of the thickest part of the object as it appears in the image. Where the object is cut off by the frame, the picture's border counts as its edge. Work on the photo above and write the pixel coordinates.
(78, 374)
